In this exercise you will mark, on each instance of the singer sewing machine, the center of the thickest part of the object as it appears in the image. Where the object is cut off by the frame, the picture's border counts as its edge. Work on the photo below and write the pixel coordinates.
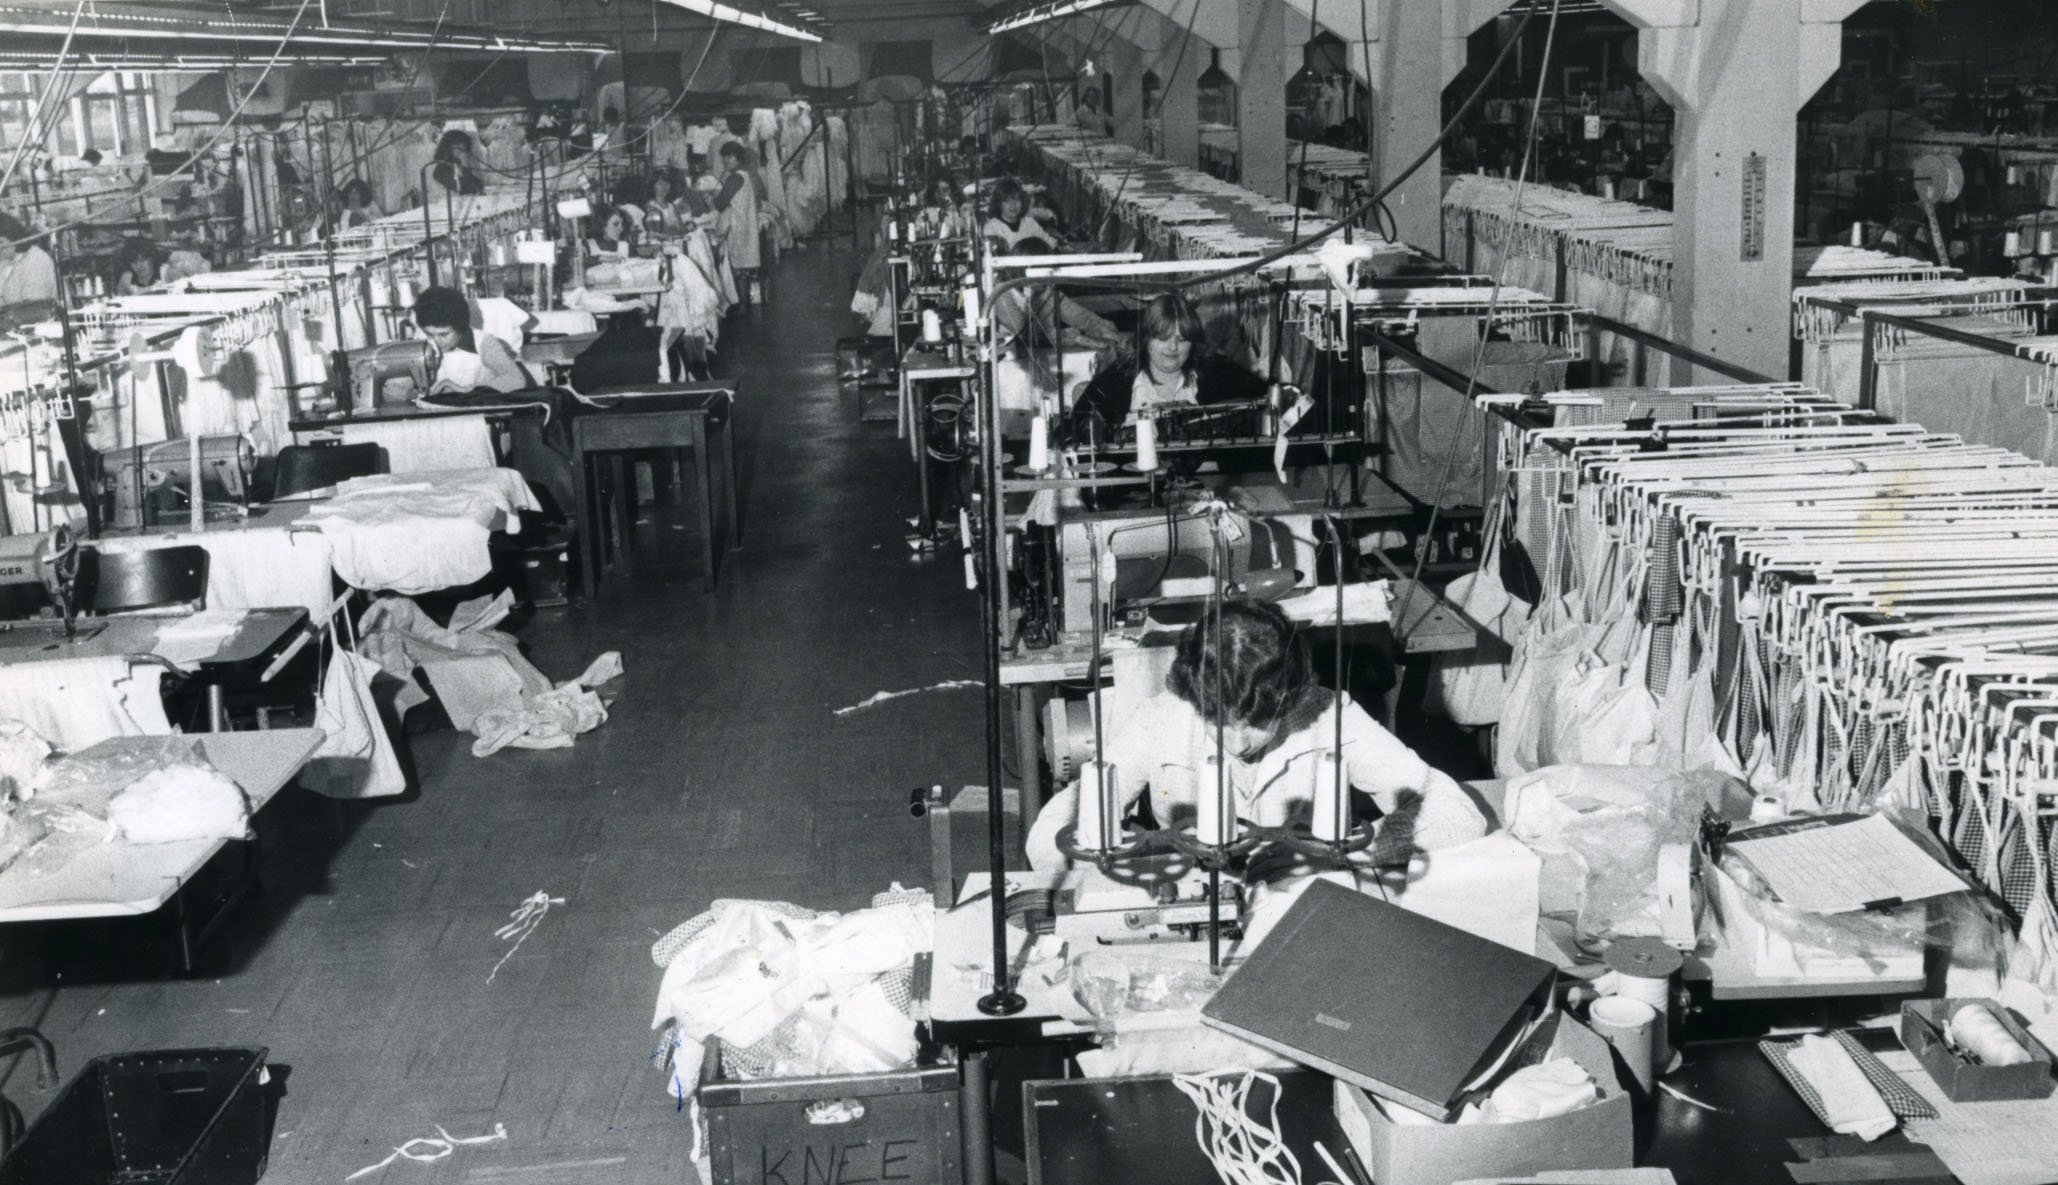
(360, 378)
(155, 481)
(50, 561)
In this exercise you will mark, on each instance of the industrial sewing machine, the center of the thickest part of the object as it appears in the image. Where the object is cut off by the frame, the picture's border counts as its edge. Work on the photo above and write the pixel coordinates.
(153, 482)
(49, 560)
(360, 378)
(1146, 557)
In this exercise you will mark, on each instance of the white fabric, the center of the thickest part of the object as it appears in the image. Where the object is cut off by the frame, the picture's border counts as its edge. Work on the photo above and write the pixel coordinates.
(421, 532)
(1555, 1087)
(76, 702)
(430, 444)
(357, 758)
(1849, 1102)
(179, 803)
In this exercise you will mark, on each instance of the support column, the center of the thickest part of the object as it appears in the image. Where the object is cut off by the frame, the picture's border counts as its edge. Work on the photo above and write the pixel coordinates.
(1125, 64)
(1261, 96)
(1736, 73)
(1179, 102)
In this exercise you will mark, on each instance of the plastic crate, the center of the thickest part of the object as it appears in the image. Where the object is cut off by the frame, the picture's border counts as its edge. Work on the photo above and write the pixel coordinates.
(167, 1117)
(900, 1126)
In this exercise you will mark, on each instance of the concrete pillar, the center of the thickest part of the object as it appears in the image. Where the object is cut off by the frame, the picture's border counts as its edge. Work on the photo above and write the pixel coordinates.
(1125, 65)
(1261, 95)
(1179, 97)
(1736, 73)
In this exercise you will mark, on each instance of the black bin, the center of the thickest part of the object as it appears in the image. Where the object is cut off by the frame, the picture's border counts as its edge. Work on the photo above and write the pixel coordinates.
(166, 1117)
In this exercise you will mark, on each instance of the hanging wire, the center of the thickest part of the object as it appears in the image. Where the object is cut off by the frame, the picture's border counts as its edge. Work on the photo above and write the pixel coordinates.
(1400, 617)
(228, 124)
(29, 133)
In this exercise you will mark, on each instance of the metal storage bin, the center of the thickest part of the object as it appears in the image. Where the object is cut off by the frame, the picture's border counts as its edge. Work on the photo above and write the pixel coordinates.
(166, 1117)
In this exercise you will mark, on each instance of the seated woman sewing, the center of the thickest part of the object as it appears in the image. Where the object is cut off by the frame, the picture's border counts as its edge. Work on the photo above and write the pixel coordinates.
(471, 361)
(1254, 679)
(1022, 316)
(1173, 368)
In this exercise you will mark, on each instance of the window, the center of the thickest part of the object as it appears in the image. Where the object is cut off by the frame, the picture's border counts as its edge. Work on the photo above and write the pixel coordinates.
(116, 112)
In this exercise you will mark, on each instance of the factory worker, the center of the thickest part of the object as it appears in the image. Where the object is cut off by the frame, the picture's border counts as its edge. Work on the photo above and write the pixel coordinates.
(28, 275)
(454, 165)
(471, 361)
(1022, 316)
(1278, 726)
(1171, 367)
(614, 235)
(1008, 218)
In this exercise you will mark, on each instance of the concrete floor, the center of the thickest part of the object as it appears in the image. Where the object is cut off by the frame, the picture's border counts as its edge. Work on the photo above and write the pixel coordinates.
(722, 773)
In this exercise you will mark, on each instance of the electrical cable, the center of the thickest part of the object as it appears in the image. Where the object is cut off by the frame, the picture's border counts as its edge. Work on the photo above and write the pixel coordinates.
(29, 133)
(1348, 217)
(228, 124)
(1122, 187)
(1400, 615)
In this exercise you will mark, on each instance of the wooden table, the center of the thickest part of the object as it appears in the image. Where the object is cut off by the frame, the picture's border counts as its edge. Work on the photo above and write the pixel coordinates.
(684, 416)
(122, 879)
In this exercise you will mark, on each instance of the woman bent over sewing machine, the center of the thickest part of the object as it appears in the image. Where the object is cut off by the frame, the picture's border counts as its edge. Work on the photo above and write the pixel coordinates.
(1246, 669)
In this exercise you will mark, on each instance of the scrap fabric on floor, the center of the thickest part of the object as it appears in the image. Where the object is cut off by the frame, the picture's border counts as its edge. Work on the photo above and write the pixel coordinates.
(363, 964)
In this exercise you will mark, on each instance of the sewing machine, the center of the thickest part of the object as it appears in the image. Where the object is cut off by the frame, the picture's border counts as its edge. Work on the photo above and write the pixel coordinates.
(1152, 560)
(358, 378)
(153, 481)
(49, 560)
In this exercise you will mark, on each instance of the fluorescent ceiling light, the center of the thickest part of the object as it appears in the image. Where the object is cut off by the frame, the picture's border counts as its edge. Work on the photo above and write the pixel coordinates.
(1050, 10)
(131, 24)
(753, 20)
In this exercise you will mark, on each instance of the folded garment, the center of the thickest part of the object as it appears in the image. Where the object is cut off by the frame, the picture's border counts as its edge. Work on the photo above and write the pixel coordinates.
(1833, 1086)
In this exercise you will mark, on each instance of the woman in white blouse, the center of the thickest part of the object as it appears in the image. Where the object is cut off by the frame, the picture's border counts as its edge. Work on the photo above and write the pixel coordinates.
(1277, 726)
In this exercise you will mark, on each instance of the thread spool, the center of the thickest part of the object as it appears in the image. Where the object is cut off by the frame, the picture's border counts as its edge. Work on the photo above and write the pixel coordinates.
(2047, 240)
(971, 574)
(1983, 1035)
(1147, 445)
(1039, 444)
(1332, 813)
(1100, 818)
(1768, 808)
(1857, 234)
(2011, 244)
(1216, 822)
(932, 327)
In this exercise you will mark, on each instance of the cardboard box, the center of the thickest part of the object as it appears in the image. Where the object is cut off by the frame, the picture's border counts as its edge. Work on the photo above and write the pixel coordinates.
(1599, 1136)
(1965, 1082)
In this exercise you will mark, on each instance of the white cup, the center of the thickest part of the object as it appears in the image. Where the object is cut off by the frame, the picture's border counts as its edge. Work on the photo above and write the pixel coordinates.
(1631, 1026)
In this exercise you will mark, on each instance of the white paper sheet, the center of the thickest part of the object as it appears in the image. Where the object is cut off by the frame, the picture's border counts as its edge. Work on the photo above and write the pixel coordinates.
(2001, 1143)
(1842, 867)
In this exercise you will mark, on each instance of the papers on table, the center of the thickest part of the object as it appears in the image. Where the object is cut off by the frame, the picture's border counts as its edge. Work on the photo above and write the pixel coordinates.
(1997, 1143)
(1840, 864)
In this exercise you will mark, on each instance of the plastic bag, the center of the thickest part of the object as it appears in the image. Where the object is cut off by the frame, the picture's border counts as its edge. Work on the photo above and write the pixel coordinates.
(1609, 822)
(1472, 690)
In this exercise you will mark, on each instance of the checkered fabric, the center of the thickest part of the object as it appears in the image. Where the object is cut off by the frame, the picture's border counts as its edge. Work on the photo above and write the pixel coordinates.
(1900, 1098)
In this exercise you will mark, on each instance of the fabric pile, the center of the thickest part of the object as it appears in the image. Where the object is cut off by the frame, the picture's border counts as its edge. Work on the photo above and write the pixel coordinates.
(790, 992)
(487, 684)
